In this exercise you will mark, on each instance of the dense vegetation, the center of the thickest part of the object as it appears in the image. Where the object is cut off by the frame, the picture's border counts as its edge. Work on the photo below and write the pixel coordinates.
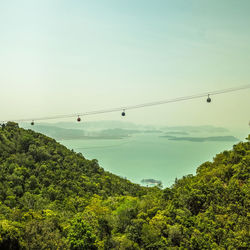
(53, 198)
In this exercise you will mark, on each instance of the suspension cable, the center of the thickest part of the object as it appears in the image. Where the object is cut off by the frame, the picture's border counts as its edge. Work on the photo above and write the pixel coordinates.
(149, 104)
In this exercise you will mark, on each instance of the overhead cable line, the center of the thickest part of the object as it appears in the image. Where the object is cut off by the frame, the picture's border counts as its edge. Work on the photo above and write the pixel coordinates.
(143, 105)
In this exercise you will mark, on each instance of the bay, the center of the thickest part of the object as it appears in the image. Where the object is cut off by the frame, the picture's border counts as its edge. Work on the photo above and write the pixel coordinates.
(148, 156)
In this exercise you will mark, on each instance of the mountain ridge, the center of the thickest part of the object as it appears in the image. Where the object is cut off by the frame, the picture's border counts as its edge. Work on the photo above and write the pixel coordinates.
(53, 198)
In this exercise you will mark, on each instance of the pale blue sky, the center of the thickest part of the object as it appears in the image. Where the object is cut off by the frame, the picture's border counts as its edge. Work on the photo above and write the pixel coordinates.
(60, 57)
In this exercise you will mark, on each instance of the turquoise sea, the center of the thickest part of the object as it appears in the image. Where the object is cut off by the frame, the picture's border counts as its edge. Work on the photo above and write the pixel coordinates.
(148, 156)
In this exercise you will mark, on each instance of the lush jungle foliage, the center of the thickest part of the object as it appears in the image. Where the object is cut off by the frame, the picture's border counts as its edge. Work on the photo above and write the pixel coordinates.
(53, 198)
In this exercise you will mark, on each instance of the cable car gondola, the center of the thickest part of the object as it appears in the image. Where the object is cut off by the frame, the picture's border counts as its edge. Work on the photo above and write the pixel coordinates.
(32, 123)
(78, 118)
(208, 99)
(123, 113)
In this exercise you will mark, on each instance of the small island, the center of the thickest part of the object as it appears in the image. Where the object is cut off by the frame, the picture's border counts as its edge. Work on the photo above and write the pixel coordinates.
(151, 182)
(202, 139)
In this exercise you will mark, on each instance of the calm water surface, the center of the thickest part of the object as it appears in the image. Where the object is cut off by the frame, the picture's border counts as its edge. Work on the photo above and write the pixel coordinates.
(148, 156)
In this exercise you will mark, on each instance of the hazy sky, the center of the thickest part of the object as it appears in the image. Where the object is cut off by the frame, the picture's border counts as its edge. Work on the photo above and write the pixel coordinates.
(60, 57)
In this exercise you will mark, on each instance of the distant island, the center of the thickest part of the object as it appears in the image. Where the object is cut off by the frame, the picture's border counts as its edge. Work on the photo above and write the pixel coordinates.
(202, 139)
(120, 130)
(196, 129)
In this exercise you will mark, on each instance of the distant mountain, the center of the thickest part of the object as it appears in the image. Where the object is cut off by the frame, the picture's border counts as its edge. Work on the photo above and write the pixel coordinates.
(103, 125)
(81, 132)
(75, 134)
(98, 125)
(57, 132)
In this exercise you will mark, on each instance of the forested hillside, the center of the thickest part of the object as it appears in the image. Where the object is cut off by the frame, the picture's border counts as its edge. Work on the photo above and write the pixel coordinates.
(54, 198)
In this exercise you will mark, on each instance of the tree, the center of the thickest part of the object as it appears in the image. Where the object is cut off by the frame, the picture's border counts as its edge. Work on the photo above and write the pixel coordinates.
(43, 234)
(80, 235)
(10, 235)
